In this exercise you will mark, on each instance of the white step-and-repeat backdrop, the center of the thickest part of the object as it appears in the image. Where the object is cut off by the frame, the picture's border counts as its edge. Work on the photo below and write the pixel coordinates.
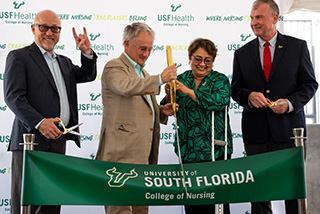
(176, 23)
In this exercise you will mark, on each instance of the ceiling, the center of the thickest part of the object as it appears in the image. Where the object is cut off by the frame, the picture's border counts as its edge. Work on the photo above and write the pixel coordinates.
(301, 5)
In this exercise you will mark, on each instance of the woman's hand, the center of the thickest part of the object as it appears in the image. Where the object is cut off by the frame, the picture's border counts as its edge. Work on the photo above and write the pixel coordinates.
(185, 90)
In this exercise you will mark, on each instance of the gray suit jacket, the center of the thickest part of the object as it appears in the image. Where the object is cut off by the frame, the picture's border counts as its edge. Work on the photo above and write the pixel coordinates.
(128, 134)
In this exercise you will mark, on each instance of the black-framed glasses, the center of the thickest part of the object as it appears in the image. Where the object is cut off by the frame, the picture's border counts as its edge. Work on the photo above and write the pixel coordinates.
(45, 28)
(143, 49)
(207, 60)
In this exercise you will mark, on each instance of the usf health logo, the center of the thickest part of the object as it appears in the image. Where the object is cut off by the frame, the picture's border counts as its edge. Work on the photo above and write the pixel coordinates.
(92, 156)
(91, 109)
(3, 171)
(235, 108)
(4, 138)
(5, 202)
(18, 4)
(94, 37)
(168, 137)
(243, 38)
(3, 108)
(118, 179)
(94, 97)
(175, 8)
(100, 49)
(174, 20)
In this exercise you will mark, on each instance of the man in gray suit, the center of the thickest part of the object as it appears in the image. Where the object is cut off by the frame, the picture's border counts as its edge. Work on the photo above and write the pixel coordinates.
(39, 87)
(130, 129)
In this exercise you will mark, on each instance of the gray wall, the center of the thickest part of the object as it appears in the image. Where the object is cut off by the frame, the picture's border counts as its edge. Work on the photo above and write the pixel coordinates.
(313, 168)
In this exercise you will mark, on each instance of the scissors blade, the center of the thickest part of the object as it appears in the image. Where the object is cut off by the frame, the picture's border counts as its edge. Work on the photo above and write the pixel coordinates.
(279, 104)
(73, 127)
(75, 133)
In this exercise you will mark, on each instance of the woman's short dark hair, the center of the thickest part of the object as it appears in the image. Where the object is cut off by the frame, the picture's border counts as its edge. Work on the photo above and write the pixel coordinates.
(206, 44)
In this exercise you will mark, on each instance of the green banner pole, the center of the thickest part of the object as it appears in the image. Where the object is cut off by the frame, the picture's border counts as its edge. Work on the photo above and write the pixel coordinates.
(28, 144)
(298, 140)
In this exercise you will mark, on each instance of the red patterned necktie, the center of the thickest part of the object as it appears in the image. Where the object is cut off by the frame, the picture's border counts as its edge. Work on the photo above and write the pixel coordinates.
(266, 60)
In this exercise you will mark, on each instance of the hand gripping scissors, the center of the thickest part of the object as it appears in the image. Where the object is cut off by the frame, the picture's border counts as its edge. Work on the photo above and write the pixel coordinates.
(64, 130)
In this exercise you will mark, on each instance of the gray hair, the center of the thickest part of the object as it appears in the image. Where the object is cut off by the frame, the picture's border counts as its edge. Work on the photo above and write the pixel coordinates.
(131, 31)
(274, 9)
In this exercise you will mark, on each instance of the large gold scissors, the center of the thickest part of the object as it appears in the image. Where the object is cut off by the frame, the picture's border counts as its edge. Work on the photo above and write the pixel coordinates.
(64, 130)
(172, 83)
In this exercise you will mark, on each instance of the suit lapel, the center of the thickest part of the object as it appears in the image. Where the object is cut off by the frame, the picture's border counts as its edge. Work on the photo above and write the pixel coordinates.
(65, 73)
(154, 103)
(42, 64)
(145, 96)
(133, 73)
(278, 53)
(254, 50)
(128, 64)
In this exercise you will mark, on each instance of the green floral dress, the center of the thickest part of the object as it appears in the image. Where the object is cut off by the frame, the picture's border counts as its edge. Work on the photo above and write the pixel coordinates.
(194, 119)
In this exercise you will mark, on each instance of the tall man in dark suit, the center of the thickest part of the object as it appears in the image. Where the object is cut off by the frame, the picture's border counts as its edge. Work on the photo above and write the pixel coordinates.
(281, 72)
(39, 87)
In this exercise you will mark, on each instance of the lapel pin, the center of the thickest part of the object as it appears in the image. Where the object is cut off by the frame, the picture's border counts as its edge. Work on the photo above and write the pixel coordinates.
(280, 46)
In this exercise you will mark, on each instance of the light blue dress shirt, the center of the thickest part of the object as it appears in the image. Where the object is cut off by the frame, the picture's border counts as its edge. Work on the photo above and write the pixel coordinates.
(60, 84)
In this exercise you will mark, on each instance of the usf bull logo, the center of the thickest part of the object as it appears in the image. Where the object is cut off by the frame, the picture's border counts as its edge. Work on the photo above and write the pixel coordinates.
(118, 179)
(17, 5)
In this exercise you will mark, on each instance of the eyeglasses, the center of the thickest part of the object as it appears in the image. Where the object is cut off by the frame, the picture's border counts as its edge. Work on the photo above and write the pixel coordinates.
(45, 28)
(198, 60)
(143, 49)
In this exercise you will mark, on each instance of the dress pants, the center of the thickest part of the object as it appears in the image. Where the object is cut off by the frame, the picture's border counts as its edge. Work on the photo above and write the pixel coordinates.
(126, 209)
(59, 147)
(270, 146)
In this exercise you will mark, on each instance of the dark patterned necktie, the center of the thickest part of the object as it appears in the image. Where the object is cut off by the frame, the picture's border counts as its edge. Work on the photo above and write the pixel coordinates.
(266, 60)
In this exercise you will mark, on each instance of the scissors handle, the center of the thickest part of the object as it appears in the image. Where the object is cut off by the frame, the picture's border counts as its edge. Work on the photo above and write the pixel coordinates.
(61, 127)
(270, 103)
(64, 130)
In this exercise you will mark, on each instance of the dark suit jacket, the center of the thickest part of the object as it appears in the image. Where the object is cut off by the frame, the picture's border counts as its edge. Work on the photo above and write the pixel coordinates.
(30, 92)
(291, 77)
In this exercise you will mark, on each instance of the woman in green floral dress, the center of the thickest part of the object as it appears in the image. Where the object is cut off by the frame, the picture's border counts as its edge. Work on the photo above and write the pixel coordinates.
(200, 91)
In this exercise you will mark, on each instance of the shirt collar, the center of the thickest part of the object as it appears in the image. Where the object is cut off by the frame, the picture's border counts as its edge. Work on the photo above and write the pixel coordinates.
(272, 41)
(43, 51)
(133, 63)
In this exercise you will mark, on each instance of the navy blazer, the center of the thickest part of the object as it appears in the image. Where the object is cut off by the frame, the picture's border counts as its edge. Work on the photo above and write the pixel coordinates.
(291, 77)
(30, 92)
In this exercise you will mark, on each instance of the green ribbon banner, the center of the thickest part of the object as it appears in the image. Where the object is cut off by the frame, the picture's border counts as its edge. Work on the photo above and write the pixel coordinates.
(53, 179)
